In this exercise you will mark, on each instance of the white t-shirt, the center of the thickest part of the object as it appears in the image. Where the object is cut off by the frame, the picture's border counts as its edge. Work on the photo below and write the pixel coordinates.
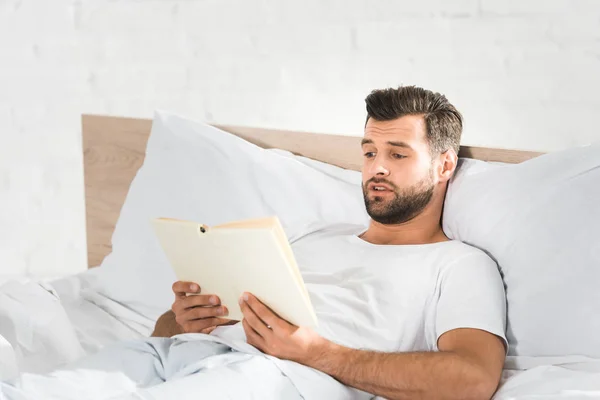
(388, 298)
(398, 298)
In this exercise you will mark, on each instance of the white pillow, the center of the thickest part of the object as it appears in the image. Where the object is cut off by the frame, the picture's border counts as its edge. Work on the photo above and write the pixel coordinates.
(540, 220)
(197, 172)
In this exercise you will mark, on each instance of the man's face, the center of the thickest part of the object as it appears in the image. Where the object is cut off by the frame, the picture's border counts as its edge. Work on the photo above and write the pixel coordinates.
(398, 173)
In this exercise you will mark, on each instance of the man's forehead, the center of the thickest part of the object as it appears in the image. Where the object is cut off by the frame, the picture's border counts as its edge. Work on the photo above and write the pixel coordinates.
(410, 128)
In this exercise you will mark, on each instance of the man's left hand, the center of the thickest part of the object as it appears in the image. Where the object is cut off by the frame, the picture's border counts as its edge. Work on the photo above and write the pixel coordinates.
(274, 336)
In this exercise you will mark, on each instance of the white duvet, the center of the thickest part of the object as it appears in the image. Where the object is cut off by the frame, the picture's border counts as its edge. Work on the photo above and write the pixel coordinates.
(48, 325)
(45, 326)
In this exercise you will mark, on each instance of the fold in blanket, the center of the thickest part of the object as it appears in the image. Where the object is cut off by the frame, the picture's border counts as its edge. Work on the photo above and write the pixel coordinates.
(158, 368)
(35, 324)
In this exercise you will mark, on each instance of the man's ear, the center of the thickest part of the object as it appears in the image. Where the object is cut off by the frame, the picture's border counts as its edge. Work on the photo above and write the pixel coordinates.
(448, 163)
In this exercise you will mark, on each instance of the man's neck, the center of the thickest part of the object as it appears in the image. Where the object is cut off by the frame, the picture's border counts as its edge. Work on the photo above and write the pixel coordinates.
(425, 228)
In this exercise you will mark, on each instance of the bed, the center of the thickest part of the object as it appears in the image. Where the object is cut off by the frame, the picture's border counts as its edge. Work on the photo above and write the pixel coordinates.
(85, 319)
(114, 147)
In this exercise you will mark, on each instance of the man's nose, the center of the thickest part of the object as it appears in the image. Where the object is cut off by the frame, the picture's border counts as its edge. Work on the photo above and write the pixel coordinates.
(379, 168)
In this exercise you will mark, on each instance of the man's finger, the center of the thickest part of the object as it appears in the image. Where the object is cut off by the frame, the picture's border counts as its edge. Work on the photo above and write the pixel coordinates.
(203, 312)
(196, 300)
(252, 337)
(181, 304)
(263, 312)
(197, 326)
(208, 330)
(181, 288)
(258, 325)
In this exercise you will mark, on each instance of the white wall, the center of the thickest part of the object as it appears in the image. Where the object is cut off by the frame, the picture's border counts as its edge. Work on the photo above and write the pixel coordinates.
(525, 74)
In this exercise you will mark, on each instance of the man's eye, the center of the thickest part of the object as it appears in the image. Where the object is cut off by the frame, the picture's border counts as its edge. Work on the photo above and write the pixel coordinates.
(398, 156)
(369, 154)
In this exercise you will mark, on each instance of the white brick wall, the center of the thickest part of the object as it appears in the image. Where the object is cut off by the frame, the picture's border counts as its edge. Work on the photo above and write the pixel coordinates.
(526, 75)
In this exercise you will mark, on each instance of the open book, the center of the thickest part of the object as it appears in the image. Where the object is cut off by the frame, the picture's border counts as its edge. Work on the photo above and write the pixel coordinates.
(245, 256)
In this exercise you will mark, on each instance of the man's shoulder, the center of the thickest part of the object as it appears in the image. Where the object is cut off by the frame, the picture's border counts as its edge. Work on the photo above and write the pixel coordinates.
(458, 247)
(458, 254)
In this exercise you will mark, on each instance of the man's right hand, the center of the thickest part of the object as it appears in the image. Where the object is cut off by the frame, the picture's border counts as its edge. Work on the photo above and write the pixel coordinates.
(197, 313)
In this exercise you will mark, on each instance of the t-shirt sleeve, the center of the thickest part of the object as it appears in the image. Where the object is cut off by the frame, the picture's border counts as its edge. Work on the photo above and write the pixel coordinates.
(471, 295)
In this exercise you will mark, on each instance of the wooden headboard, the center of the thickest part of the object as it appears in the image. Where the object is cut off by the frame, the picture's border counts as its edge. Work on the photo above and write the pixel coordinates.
(114, 149)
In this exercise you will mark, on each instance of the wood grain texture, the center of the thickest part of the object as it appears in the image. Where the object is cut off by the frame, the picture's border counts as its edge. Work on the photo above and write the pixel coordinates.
(114, 149)
(497, 155)
(345, 151)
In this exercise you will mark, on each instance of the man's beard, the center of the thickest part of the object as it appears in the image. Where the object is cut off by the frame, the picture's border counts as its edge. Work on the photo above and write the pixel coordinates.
(404, 206)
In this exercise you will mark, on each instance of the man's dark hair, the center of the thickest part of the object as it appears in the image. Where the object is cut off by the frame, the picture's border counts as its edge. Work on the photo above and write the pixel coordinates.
(442, 120)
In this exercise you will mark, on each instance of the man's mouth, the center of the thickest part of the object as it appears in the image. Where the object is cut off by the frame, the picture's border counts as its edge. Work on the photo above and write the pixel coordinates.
(379, 187)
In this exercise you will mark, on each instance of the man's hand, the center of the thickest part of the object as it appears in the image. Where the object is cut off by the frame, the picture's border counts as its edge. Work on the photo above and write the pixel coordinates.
(198, 313)
(468, 365)
(273, 335)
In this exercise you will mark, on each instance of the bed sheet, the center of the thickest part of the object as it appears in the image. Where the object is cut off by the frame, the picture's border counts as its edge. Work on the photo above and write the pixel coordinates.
(47, 324)
(572, 378)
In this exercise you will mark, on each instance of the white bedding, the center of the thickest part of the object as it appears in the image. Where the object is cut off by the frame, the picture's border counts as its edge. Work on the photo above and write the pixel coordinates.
(44, 325)
(59, 322)
(566, 380)
(191, 371)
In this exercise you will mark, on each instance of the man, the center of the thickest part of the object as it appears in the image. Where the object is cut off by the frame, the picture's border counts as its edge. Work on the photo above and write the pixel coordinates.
(404, 312)
(441, 305)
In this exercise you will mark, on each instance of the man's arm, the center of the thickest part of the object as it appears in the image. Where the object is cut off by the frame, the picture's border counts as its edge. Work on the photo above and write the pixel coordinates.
(166, 326)
(468, 365)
